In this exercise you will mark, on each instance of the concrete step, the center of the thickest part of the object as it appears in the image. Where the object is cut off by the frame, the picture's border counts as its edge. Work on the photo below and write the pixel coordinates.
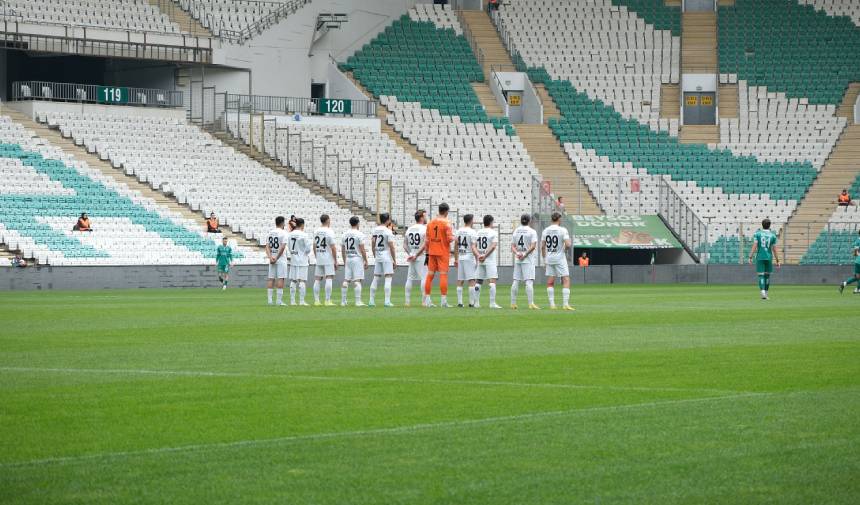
(488, 100)
(699, 134)
(68, 146)
(181, 17)
(554, 166)
(728, 100)
(846, 108)
(550, 110)
(398, 139)
(479, 28)
(699, 42)
(838, 172)
(670, 101)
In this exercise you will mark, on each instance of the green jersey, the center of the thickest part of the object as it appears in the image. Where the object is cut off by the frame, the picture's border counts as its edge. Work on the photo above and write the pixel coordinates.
(224, 255)
(765, 240)
(857, 248)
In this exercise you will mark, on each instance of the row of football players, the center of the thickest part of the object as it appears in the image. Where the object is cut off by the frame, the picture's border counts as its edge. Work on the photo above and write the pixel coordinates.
(475, 258)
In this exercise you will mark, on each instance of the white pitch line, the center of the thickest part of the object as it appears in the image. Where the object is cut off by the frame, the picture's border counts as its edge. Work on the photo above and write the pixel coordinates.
(408, 380)
(370, 432)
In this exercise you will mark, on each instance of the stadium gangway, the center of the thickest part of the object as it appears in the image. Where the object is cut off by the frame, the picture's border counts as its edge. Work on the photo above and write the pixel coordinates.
(90, 93)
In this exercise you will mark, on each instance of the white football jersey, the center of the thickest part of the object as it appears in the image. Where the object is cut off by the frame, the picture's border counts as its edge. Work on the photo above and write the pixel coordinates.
(554, 237)
(300, 248)
(465, 237)
(484, 240)
(382, 236)
(323, 240)
(276, 240)
(351, 240)
(415, 237)
(523, 238)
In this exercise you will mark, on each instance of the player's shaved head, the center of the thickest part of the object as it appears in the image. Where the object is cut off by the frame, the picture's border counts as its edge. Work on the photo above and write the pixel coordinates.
(300, 222)
(324, 219)
(279, 221)
(443, 209)
(353, 221)
(488, 220)
(419, 215)
(766, 224)
(384, 218)
(525, 219)
(468, 218)
(556, 217)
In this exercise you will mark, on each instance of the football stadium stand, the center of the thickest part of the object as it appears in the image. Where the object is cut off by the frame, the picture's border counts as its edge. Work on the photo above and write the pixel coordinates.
(848, 8)
(138, 15)
(128, 229)
(239, 20)
(182, 159)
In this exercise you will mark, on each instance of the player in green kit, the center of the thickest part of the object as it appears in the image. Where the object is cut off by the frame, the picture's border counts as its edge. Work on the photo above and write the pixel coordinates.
(764, 251)
(223, 257)
(856, 278)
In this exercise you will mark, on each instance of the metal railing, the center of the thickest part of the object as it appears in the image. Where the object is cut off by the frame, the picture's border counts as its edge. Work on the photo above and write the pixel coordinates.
(88, 93)
(81, 40)
(293, 105)
(276, 11)
(683, 221)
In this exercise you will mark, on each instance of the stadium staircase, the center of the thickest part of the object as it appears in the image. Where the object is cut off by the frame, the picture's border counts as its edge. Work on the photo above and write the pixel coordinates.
(846, 108)
(547, 154)
(699, 56)
(491, 52)
(728, 101)
(387, 129)
(182, 18)
(68, 145)
(840, 171)
(670, 101)
(293, 175)
(488, 100)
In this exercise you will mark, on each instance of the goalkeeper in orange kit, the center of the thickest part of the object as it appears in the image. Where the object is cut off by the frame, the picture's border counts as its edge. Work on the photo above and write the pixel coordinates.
(440, 234)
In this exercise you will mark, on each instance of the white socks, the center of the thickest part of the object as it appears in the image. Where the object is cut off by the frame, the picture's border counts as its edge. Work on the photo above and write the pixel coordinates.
(550, 292)
(515, 288)
(407, 295)
(280, 293)
(460, 295)
(292, 292)
(316, 290)
(493, 293)
(530, 292)
(328, 285)
(388, 290)
(357, 293)
(302, 288)
(269, 294)
(373, 289)
(344, 289)
(565, 296)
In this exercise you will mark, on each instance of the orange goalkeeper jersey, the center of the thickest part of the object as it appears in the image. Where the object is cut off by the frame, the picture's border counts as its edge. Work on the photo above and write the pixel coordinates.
(439, 237)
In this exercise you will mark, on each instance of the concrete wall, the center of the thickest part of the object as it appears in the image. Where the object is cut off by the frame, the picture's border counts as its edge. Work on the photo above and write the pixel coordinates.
(31, 108)
(341, 87)
(278, 59)
(83, 278)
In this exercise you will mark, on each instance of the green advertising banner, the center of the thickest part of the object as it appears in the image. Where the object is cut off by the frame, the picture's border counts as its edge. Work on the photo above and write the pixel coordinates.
(112, 94)
(621, 232)
(334, 106)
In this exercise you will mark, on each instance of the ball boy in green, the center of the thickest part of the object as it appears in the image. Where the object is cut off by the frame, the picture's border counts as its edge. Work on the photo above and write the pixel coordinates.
(764, 251)
(856, 278)
(223, 257)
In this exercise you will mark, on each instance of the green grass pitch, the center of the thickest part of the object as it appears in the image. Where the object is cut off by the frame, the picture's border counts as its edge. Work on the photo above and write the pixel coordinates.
(646, 394)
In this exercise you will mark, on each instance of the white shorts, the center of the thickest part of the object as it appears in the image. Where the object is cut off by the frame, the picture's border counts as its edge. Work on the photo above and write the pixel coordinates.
(298, 273)
(487, 271)
(524, 271)
(353, 270)
(323, 270)
(417, 269)
(383, 268)
(466, 270)
(557, 270)
(278, 270)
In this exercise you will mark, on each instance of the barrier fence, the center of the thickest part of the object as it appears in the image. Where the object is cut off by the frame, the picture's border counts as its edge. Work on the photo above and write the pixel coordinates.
(92, 93)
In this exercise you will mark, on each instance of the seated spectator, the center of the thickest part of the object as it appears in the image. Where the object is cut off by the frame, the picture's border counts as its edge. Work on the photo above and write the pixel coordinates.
(493, 5)
(18, 261)
(212, 224)
(83, 223)
(844, 198)
(583, 260)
